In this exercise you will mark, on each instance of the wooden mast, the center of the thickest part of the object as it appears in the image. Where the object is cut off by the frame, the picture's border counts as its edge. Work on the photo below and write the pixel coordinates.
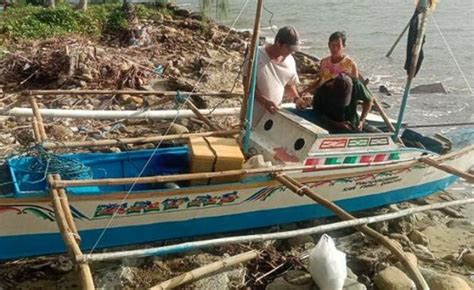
(423, 6)
(250, 63)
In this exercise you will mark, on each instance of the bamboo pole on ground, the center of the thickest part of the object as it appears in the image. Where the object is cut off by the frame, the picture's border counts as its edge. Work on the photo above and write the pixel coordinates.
(139, 140)
(204, 271)
(449, 169)
(195, 245)
(123, 92)
(251, 66)
(301, 190)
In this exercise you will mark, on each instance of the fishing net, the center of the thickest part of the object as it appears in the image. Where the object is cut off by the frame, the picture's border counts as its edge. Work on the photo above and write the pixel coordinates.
(42, 163)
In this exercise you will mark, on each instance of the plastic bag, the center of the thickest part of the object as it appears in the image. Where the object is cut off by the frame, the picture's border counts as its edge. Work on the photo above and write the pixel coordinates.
(327, 265)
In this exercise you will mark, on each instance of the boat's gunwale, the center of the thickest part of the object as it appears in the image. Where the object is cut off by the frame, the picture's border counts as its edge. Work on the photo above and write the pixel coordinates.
(216, 187)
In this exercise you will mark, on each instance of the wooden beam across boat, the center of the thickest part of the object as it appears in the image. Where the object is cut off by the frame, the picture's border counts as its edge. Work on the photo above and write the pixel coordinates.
(303, 190)
(138, 140)
(381, 167)
(384, 167)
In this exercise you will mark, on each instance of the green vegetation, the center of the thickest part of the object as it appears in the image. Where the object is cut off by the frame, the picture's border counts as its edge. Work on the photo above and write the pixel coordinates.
(34, 22)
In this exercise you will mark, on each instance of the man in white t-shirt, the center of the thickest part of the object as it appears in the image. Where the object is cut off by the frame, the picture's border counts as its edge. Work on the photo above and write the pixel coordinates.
(276, 74)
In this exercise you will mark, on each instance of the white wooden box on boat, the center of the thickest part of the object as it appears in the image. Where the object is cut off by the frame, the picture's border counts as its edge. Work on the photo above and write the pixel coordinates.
(284, 137)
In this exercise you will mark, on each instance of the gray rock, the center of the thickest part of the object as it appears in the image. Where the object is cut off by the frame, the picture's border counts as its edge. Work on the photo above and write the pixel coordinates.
(468, 259)
(438, 281)
(462, 224)
(423, 252)
(300, 240)
(114, 278)
(351, 284)
(221, 281)
(384, 90)
(419, 238)
(292, 280)
(63, 264)
(177, 129)
(429, 89)
(392, 278)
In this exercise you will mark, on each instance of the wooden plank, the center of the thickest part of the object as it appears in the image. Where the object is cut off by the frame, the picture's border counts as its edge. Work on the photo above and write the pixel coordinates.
(140, 140)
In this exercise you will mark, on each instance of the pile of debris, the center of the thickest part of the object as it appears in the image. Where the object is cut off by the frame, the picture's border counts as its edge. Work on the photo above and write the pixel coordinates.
(165, 47)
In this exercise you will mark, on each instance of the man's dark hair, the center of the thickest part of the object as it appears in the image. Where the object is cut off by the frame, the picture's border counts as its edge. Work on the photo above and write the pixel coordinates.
(338, 35)
(287, 35)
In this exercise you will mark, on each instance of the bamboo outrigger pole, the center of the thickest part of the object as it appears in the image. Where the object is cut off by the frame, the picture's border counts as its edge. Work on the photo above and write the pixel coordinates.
(62, 211)
(302, 189)
(69, 234)
(449, 169)
(122, 92)
(138, 140)
(423, 6)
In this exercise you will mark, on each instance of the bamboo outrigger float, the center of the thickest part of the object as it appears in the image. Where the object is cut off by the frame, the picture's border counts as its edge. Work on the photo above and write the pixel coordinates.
(202, 188)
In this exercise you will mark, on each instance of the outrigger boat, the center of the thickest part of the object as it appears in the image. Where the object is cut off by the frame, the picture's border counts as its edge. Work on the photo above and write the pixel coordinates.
(202, 187)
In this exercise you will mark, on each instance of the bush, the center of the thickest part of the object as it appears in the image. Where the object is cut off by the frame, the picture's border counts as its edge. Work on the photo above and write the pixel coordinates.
(33, 22)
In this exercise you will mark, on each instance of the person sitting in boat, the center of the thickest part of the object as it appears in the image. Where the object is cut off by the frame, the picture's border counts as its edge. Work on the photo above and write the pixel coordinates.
(338, 62)
(335, 104)
(276, 73)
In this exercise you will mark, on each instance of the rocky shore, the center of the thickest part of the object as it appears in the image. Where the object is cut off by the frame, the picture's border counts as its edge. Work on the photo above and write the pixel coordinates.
(182, 52)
